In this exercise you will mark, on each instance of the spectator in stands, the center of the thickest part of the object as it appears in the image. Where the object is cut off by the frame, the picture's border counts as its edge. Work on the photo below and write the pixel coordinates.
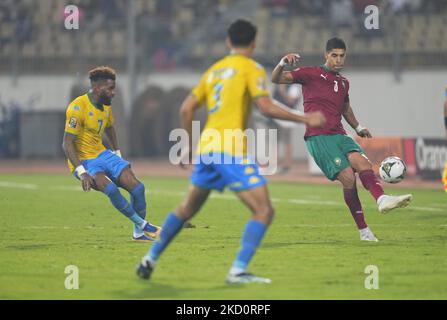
(275, 3)
(360, 5)
(23, 24)
(341, 13)
(398, 6)
(164, 8)
(289, 95)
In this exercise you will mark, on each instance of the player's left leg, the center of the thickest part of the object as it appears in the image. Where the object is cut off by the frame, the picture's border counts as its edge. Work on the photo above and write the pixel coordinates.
(173, 224)
(385, 203)
(110, 189)
(136, 189)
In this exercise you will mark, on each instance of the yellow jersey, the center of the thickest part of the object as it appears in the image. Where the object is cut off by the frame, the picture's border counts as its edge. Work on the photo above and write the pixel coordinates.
(228, 88)
(87, 122)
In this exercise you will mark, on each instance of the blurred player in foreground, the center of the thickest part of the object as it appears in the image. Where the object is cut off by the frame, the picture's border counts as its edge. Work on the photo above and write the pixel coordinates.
(88, 117)
(227, 88)
(337, 155)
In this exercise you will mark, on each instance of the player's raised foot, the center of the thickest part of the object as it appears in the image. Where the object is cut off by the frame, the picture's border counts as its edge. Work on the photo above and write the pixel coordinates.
(151, 231)
(144, 269)
(246, 277)
(388, 203)
(143, 238)
(367, 235)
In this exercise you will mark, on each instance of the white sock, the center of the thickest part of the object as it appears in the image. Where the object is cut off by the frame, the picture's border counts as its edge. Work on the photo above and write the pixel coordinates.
(148, 259)
(137, 235)
(235, 271)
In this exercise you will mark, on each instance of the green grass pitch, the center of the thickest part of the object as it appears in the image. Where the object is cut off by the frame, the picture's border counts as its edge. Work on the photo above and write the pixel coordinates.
(311, 251)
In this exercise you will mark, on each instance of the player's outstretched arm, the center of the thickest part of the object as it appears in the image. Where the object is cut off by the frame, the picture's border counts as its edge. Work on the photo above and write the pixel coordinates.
(281, 76)
(112, 137)
(275, 109)
(68, 145)
(187, 111)
(350, 118)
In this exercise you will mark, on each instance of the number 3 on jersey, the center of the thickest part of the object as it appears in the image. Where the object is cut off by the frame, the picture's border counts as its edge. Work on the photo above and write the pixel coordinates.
(217, 91)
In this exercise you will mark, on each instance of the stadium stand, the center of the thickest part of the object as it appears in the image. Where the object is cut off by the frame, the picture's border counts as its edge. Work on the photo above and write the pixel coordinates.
(171, 33)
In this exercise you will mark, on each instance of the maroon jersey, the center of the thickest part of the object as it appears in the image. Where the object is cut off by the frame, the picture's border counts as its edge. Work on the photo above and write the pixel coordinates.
(323, 91)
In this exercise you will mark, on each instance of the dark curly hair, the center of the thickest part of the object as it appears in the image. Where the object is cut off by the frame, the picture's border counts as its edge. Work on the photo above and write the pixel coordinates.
(102, 73)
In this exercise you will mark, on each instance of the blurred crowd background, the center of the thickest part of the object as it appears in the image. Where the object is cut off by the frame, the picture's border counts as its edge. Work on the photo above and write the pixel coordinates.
(172, 34)
(160, 48)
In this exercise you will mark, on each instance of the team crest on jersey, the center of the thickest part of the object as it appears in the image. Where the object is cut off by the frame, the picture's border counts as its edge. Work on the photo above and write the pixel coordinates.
(337, 162)
(76, 108)
(90, 114)
(73, 122)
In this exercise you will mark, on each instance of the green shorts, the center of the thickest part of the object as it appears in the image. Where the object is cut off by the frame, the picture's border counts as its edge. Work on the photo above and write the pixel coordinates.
(330, 152)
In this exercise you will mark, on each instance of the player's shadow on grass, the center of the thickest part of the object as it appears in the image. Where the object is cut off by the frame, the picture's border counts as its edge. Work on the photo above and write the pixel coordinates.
(28, 247)
(157, 290)
(149, 290)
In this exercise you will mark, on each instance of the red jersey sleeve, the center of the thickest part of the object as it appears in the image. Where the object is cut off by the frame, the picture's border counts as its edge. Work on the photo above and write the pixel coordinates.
(301, 75)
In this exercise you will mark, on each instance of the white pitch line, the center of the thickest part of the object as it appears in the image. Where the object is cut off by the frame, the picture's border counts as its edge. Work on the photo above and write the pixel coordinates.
(8, 184)
(67, 188)
(293, 201)
(427, 209)
(301, 201)
(57, 227)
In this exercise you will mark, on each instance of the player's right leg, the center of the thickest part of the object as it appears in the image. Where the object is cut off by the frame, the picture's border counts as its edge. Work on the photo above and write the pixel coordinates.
(385, 203)
(136, 189)
(258, 201)
(110, 189)
(194, 200)
(331, 159)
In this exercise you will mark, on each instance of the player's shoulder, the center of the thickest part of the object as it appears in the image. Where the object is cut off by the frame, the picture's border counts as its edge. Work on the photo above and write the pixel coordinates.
(253, 64)
(344, 80)
(79, 103)
(242, 62)
(342, 77)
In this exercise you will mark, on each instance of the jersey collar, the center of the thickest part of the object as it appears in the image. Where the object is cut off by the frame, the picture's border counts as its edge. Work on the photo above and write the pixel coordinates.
(323, 66)
(92, 101)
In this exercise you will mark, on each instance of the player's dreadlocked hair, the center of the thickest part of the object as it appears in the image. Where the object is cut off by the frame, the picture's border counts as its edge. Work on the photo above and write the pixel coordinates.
(335, 43)
(102, 73)
(241, 33)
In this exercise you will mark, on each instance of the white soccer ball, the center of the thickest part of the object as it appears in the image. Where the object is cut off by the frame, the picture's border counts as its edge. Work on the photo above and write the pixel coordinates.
(392, 170)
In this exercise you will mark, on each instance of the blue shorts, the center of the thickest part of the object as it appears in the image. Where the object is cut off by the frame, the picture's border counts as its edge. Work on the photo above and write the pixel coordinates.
(106, 162)
(237, 173)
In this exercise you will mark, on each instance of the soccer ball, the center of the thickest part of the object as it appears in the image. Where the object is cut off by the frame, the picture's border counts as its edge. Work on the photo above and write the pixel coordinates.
(392, 170)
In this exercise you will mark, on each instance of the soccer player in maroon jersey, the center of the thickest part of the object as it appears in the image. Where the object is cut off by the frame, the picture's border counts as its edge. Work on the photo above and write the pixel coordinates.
(337, 154)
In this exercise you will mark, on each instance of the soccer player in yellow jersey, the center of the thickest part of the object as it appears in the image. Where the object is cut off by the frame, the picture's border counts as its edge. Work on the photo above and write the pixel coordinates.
(227, 89)
(88, 117)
